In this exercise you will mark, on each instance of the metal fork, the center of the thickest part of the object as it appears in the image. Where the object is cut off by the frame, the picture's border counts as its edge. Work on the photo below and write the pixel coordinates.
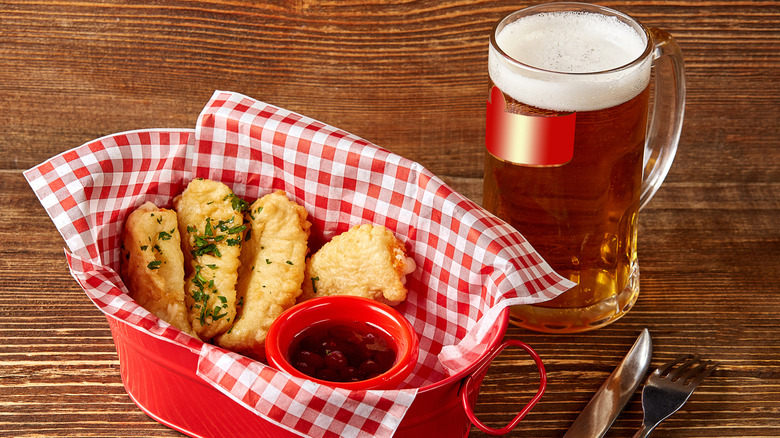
(664, 394)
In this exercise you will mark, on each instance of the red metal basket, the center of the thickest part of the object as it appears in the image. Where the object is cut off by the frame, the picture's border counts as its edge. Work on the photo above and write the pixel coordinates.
(160, 376)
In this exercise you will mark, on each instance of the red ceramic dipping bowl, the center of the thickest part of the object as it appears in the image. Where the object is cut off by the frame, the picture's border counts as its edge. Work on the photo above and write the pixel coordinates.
(344, 310)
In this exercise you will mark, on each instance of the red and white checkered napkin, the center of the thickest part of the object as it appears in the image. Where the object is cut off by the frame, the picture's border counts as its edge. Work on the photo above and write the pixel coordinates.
(470, 265)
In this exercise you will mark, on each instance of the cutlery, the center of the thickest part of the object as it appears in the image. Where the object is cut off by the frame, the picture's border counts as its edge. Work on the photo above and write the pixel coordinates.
(664, 393)
(599, 414)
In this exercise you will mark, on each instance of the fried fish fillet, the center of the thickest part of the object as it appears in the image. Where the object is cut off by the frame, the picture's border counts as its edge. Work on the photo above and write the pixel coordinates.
(212, 225)
(272, 263)
(367, 261)
(153, 264)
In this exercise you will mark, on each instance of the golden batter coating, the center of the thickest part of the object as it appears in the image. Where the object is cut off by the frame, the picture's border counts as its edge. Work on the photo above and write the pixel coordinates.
(367, 261)
(212, 223)
(272, 263)
(153, 264)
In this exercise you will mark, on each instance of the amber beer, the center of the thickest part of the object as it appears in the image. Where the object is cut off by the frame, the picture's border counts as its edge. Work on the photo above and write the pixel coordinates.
(581, 214)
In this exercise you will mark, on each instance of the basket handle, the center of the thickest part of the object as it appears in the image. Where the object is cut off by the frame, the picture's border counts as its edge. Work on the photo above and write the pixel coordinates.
(469, 381)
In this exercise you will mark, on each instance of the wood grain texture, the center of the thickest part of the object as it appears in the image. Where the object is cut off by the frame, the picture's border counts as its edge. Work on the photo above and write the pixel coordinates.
(411, 77)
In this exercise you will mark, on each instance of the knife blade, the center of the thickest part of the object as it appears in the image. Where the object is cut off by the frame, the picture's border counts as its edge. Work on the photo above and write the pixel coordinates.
(602, 410)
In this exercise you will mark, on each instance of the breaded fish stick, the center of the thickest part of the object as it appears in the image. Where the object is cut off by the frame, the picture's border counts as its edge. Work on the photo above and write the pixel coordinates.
(272, 263)
(212, 224)
(366, 261)
(153, 264)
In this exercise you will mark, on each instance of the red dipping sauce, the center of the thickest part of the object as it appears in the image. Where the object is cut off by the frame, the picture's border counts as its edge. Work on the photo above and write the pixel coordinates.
(343, 341)
(344, 352)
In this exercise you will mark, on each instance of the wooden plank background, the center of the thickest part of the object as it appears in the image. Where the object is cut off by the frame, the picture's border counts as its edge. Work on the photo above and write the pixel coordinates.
(409, 76)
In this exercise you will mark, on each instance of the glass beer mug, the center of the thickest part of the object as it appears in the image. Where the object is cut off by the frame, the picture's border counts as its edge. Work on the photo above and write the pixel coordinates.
(571, 152)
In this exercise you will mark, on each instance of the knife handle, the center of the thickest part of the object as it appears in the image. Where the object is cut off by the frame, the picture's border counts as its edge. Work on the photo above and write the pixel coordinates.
(470, 381)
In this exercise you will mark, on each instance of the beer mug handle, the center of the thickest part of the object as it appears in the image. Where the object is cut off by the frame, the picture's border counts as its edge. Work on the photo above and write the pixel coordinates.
(663, 133)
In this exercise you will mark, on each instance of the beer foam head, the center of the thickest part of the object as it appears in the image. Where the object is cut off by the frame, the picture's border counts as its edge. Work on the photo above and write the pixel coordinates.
(557, 43)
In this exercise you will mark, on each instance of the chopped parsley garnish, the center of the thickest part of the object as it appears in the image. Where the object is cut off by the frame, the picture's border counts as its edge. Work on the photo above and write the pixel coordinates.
(215, 232)
(198, 279)
(210, 248)
(215, 315)
(237, 229)
(237, 203)
(200, 241)
(198, 295)
(204, 289)
(154, 264)
(165, 235)
(209, 231)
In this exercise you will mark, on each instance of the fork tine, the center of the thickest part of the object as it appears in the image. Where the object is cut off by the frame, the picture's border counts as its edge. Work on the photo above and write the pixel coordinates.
(692, 371)
(665, 367)
(708, 368)
(684, 368)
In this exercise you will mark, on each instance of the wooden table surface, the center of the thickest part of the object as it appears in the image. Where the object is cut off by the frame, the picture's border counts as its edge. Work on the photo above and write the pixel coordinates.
(410, 77)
